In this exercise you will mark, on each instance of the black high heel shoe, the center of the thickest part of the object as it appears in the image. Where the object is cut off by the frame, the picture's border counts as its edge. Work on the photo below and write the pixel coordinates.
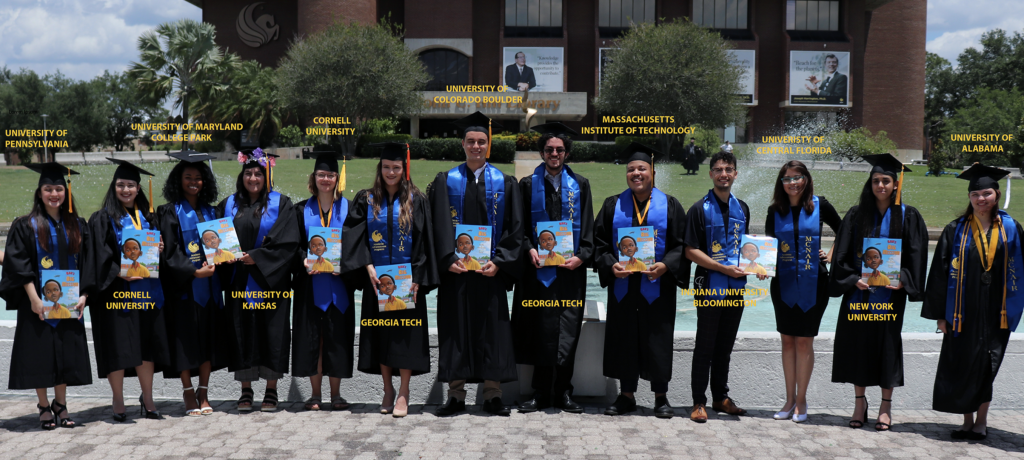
(122, 417)
(59, 408)
(858, 423)
(48, 425)
(152, 415)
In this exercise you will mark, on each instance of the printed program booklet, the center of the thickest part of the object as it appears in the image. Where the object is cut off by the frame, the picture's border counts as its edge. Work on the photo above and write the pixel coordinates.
(554, 242)
(880, 261)
(395, 289)
(140, 253)
(323, 252)
(59, 293)
(473, 245)
(636, 247)
(758, 254)
(220, 242)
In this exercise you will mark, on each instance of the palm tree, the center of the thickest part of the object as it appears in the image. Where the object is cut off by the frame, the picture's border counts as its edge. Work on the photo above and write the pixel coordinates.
(252, 100)
(180, 59)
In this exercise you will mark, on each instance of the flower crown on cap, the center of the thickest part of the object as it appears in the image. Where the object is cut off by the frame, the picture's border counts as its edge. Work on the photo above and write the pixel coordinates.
(257, 156)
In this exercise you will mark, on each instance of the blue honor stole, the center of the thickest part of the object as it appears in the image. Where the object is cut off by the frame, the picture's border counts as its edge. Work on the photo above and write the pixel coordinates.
(1013, 303)
(718, 231)
(327, 288)
(153, 288)
(494, 183)
(881, 294)
(388, 246)
(46, 259)
(266, 222)
(657, 217)
(202, 288)
(570, 190)
(798, 279)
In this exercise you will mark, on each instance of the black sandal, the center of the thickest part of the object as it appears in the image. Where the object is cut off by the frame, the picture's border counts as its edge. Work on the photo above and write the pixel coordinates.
(246, 398)
(48, 425)
(886, 426)
(860, 424)
(57, 409)
(269, 397)
(339, 403)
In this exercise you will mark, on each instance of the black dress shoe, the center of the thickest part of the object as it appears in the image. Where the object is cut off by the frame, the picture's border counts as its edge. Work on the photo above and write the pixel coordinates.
(959, 434)
(622, 405)
(535, 404)
(453, 407)
(975, 436)
(568, 405)
(496, 407)
(122, 417)
(662, 409)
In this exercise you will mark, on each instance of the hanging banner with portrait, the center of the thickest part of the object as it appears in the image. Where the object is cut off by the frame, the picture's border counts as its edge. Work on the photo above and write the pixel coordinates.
(819, 78)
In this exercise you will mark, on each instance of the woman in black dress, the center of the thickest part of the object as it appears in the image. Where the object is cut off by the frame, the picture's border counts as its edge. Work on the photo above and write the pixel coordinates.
(127, 340)
(390, 226)
(47, 352)
(259, 291)
(975, 300)
(869, 350)
(194, 315)
(800, 287)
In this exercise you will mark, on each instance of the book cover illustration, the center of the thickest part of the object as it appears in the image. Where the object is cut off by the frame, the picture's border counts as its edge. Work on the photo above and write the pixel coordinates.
(140, 253)
(473, 245)
(395, 289)
(880, 262)
(758, 254)
(60, 293)
(554, 242)
(220, 242)
(324, 250)
(636, 248)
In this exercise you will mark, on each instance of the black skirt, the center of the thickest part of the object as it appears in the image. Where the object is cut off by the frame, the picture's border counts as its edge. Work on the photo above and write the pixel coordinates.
(336, 329)
(44, 356)
(195, 334)
(795, 321)
(124, 339)
(398, 347)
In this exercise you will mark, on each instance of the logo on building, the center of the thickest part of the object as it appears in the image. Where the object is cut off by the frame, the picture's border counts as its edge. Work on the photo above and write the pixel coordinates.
(258, 32)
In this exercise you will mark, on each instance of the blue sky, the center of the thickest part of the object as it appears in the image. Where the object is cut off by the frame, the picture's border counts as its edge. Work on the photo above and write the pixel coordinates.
(82, 38)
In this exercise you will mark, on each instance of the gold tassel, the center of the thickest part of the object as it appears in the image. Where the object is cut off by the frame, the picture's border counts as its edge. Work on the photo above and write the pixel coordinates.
(899, 185)
(488, 156)
(408, 160)
(341, 177)
(151, 194)
(71, 206)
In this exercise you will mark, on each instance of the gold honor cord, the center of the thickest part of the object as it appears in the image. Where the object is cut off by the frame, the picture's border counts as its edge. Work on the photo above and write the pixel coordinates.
(136, 220)
(1003, 324)
(986, 246)
(320, 210)
(636, 210)
(71, 206)
(899, 186)
(957, 306)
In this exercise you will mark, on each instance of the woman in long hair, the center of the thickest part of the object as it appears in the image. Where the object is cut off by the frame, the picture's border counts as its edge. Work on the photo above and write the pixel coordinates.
(127, 341)
(868, 346)
(391, 228)
(325, 324)
(258, 297)
(195, 316)
(47, 352)
(800, 287)
(975, 300)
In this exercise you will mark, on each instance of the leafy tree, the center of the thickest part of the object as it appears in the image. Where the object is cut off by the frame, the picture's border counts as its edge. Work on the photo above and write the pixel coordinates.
(124, 106)
(857, 143)
(991, 111)
(941, 94)
(290, 136)
(996, 65)
(252, 99)
(78, 107)
(352, 70)
(180, 60)
(677, 69)
(21, 98)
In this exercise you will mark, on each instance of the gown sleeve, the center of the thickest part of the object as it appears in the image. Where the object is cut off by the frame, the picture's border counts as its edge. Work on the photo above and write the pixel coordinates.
(173, 261)
(604, 253)
(355, 256)
(424, 269)
(845, 265)
(509, 247)
(769, 223)
(675, 259)
(19, 263)
(586, 251)
(934, 306)
(297, 266)
(914, 263)
(526, 192)
(829, 215)
(274, 257)
(103, 261)
(441, 222)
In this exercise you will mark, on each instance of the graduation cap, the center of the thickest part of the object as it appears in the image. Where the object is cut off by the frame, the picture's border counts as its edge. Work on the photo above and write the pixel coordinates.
(257, 156)
(478, 122)
(126, 170)
(887, 164)
(190, 156)
(328, 161)
(982, 177)
(395, 151)
(554, 128)
(53, 174)
(637, 151)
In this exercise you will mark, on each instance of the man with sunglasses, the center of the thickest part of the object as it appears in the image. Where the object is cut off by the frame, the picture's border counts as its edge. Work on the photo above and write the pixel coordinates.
(547, 308)
(714, 230)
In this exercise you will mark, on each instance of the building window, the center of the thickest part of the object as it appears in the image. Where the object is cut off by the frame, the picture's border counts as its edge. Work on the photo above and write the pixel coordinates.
(812, 15)
(533, 18)
(445, 67)
(720, 14)
(615, 16)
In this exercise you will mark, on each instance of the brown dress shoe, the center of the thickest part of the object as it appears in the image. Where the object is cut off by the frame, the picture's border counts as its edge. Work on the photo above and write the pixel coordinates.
(699, 414)
(728, 406)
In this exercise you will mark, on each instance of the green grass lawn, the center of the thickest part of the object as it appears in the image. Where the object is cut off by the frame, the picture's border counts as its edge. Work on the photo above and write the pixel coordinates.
(939, 199)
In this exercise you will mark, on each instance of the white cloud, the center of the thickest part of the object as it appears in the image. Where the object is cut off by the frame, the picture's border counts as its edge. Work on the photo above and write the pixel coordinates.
(955, 25)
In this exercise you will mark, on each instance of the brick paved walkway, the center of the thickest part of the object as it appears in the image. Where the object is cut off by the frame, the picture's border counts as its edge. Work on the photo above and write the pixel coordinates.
(363, 433)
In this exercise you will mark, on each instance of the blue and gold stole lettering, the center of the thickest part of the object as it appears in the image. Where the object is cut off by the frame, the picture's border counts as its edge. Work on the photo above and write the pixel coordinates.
(327, 288)
(45, 259)
(798, 260)
(570, 190)
(388, 246)
(657, 218)
(151, 286)
(203, 289)
(723, 240)
(494, 196)
(266, 222)
(879, 299)
(1013, 266)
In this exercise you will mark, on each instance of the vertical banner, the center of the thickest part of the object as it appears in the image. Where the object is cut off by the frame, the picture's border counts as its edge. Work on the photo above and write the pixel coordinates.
(744, 59)
(538, 69)
(819, 78)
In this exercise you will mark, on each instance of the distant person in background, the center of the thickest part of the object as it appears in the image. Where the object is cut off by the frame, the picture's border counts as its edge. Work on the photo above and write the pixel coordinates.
(519, 76)
(692, 154)
(726, 147)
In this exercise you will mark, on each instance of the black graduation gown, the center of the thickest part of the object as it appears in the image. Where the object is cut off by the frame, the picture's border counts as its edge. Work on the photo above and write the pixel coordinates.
(195, 333)
(310, 324)
(547, 336)
(398, 347)
(969, 362)
(261, 337)
(122, 339)
(870, 353)
(42, 356)
(473, 326)
(638, 335)
(794, 320)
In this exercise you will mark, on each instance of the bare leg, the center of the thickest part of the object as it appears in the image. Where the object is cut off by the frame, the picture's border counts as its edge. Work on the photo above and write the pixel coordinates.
(116, 380)
(789, 370)
(145, 372)
(402, 404)
(885, 409)
(981, 422)
(317, 381)
(388, 403)
(204, 381)
(60, 393)
(190, 395)
(968, 422)
(45, 402)
(804, 366)
(860, 406)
